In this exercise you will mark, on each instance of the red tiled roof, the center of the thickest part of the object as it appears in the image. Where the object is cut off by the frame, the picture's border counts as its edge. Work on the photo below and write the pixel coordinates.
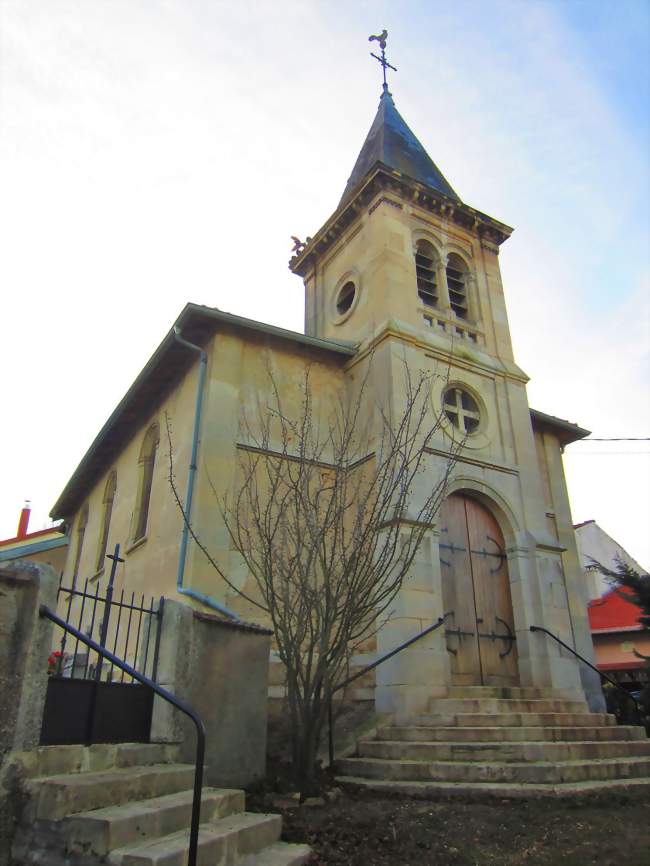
(634, 665)
(614, 611)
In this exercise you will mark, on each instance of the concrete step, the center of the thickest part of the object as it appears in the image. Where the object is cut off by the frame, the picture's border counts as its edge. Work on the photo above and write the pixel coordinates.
(221, 843)
(514, 692)
(505, 705)
(474, 720)
(56, 760)
(479, 771)
(102, 830)
(279, 854)
(59, 796)
(502, 752)
(517, 733)
(492, 790)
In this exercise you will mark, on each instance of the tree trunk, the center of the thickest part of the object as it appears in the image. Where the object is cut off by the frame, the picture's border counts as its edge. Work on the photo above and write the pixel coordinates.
(306, 728)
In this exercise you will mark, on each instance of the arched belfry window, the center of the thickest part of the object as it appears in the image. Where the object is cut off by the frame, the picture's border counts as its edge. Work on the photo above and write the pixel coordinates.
(82, 522)
(425, 269)
(109, 496)
(457, 285)
(147, 461)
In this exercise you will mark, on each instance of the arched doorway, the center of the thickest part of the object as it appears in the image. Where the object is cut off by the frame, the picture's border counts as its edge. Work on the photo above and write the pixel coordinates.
(475, 586)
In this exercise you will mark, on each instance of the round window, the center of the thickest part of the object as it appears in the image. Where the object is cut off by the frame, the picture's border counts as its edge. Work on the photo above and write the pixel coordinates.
(345, 298)
(461, 409)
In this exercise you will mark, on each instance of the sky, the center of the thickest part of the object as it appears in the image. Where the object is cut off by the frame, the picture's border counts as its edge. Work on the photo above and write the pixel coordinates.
(155, 153)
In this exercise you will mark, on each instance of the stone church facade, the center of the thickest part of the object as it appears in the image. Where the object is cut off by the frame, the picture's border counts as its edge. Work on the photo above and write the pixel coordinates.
(402, 272)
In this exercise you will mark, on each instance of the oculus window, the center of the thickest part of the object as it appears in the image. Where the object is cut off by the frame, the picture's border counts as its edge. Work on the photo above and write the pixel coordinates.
(345, 298)
(461, 409)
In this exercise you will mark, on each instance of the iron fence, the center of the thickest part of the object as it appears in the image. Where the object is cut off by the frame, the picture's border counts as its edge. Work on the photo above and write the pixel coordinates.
(128, 625)
(91, 698)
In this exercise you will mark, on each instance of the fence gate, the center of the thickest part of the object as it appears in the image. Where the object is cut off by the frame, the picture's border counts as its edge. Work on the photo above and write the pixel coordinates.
(88, 699)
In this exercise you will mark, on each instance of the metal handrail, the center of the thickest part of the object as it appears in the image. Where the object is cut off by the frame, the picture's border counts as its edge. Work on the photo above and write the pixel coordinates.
(639, 706)
(370, 667)
(167, 696)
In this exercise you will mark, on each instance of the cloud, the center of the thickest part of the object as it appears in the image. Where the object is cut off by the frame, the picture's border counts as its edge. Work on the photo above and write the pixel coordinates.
(152, 154)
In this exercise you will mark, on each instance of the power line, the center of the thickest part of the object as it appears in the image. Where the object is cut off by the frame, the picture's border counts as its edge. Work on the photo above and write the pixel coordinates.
(616, 439)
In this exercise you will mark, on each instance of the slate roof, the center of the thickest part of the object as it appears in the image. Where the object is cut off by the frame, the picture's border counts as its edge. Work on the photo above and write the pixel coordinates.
(566, 431)
(391, 142)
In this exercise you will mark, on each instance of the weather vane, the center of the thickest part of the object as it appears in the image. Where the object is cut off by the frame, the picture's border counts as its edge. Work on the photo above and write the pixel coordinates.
(383, 36)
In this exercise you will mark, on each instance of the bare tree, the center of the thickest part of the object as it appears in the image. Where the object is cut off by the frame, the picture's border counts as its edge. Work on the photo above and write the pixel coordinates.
(328, 514)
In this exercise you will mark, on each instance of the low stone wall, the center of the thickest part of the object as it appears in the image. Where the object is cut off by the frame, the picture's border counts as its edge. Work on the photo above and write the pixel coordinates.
(353, 718)
(221, 669)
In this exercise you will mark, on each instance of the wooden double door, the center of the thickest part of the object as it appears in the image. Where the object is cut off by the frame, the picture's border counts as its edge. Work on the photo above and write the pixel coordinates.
(475, 586)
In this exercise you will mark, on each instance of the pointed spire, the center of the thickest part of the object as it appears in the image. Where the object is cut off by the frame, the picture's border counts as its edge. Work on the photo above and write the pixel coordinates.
(391, 142)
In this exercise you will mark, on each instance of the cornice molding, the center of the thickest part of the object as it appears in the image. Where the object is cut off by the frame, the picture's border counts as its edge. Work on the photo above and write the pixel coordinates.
(485, 364)
(473, 461)
(384, 179)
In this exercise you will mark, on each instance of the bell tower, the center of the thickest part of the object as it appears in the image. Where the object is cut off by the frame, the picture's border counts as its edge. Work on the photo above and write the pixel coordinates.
(409, 273)
(401, 247)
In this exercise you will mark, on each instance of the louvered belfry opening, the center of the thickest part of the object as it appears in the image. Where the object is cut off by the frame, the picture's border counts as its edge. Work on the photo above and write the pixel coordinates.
(456, 285)
(426, 274)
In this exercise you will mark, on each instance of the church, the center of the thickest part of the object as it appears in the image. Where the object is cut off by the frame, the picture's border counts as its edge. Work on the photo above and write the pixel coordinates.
(402, 272)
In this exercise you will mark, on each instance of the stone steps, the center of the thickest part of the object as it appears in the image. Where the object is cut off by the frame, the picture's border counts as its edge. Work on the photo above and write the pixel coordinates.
(58, 760)
(495, 741)
(491, 790)
(102, 830)
(507, 719)
(130, 805)
(224, 842)
(502, 752)
(512, 692)
(501, 705)
(480, 771)
(279, 854)
(516, 733)
(60, 796)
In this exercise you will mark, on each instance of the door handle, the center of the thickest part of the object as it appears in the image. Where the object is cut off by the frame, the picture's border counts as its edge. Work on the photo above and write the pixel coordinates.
(479, 620)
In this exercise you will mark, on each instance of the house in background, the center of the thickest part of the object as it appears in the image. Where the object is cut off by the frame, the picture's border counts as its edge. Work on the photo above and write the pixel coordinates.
(613, 616)
(594, 543)
(619, 639)
(45, 545)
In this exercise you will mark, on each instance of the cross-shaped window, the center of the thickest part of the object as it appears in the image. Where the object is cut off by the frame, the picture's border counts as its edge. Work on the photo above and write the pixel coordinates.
(461, 409)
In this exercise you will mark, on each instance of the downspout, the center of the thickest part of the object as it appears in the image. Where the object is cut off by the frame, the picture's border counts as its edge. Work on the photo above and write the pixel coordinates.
(182, 590)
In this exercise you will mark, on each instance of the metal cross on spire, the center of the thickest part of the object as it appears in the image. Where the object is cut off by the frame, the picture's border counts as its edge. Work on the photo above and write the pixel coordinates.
(383, 36)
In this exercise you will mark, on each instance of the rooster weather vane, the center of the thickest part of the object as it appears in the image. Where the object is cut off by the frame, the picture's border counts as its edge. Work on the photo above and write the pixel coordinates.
(383, 36)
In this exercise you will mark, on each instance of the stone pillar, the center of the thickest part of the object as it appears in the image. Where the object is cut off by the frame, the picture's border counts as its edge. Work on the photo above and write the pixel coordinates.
(539, 598)
(443, 292)
(572, 579)
(471, 293)
(221, 669)
(532, 658)
(405, 683)
(25, 644)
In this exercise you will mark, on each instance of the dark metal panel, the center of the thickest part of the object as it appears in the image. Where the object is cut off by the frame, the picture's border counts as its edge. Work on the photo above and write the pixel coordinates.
(123, 712)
